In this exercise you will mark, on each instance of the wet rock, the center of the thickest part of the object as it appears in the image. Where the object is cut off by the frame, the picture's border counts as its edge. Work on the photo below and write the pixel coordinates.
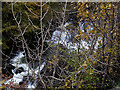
(19, 70)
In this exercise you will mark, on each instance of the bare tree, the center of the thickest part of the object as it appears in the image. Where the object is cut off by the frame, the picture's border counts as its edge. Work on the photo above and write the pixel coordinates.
(36, 55)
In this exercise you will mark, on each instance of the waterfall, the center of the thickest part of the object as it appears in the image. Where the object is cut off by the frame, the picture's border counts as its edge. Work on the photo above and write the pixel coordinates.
(17, 78)
(65, 38)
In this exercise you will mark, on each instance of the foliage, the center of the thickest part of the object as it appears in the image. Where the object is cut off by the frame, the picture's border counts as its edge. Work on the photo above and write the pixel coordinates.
(100, 67)
(29, 13)
(96, 66)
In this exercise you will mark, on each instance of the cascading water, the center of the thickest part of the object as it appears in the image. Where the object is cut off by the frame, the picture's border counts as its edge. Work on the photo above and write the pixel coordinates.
(63, 37)
(18, 77)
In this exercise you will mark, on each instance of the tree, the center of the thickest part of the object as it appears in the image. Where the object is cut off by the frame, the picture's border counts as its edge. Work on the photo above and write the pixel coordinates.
(103, 17)
(93, 61)
(36, 20)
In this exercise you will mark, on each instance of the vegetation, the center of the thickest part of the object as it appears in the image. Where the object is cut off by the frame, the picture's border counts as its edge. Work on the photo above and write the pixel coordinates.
(29, 25)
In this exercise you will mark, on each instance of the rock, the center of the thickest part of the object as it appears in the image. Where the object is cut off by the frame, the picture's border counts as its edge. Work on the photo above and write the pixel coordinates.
(19, 70)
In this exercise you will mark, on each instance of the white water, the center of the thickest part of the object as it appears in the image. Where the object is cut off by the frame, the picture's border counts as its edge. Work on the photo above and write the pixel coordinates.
(65, 40)
(17, 78)
(17, 59)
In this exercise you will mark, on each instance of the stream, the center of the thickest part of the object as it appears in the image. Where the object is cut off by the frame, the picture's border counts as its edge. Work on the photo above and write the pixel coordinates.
(66, 40)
